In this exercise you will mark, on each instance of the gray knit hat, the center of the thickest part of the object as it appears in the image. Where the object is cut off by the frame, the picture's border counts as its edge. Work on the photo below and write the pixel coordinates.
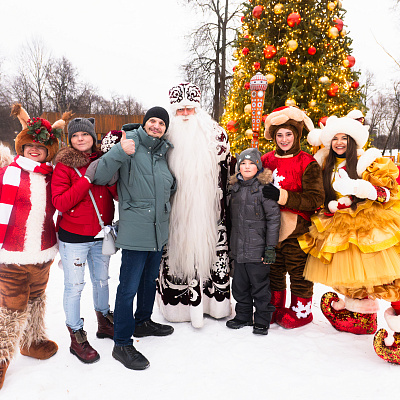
(82, 125)
(251, 154)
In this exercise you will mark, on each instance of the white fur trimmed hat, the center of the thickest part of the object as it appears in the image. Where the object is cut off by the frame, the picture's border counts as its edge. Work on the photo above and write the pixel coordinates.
(184, 95)
(286, 116)
(335, 125)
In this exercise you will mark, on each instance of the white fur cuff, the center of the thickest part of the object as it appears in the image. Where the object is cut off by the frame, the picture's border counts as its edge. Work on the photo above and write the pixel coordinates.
(365, 190)
(392, 319)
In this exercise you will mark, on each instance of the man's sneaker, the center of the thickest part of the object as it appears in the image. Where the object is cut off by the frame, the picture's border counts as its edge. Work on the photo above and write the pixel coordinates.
(150, 328)
(130, 357)
(259, 329)
(237, 323)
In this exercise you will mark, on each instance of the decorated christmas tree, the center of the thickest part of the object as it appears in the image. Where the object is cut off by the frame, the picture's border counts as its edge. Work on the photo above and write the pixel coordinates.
(303, 50)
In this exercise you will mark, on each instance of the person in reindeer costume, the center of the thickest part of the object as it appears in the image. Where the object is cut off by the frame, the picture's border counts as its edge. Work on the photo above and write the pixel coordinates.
(298, 190)
(194, 274)
(353, 242)
(28, 243)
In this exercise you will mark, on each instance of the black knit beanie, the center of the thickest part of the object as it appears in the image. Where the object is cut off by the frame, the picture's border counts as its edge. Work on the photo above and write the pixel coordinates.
(157, 112)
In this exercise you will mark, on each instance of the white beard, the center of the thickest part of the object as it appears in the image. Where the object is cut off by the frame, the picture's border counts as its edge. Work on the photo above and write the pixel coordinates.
(196, 204)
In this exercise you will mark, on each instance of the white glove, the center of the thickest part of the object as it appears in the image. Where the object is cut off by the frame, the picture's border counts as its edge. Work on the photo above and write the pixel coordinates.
(355, 187)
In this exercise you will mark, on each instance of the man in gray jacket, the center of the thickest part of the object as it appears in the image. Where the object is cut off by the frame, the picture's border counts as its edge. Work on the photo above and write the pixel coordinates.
(145, 186)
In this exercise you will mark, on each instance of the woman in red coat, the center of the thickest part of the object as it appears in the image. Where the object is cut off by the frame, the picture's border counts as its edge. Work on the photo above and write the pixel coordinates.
(78, 227)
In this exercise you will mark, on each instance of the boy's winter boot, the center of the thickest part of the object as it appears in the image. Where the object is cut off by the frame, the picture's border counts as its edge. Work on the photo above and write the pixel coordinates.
(298, 314)
(356, 316)
(11, 325)
(34, 342)
(278, 300)
(386, 350)
(105, 325)
(81, 348)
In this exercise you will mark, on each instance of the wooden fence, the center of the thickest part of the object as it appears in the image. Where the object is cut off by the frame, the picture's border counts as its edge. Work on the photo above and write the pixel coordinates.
(104, 123)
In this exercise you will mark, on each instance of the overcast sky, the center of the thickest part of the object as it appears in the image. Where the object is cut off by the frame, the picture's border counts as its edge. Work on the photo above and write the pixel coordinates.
(132, 47)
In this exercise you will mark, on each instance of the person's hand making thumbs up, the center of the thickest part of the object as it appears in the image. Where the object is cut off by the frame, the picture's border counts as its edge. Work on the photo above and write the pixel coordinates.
(128, 145)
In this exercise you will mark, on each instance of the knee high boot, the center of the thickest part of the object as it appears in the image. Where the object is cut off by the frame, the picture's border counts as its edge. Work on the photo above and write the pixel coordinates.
(278, 300)
(356, 316)
(389, 352)
(34, 342)
(11, 326)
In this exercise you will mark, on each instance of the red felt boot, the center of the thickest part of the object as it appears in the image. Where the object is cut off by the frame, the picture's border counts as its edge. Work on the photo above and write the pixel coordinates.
(278, 300)
(352, 321)
(298, 314)
(389, 352)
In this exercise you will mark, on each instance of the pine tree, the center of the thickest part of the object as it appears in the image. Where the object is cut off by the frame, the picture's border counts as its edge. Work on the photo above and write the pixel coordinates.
(304, 52)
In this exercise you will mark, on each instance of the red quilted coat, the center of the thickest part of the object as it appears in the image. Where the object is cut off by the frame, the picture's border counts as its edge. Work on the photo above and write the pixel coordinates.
(70, 195)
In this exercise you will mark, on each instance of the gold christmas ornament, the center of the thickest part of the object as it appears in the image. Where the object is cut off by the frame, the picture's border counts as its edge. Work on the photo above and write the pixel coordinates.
(249, 133)
(278, 8)
(312, 103)
(292, 45)
(339, 4)
(241, 73)
(343, 33)
(333, 32)
(270, 78)
(331, 5)
(290, 102)
(324, 79)
(247, 109)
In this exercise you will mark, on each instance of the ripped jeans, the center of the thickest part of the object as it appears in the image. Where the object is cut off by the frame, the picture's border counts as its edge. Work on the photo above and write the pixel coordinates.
(73, 258)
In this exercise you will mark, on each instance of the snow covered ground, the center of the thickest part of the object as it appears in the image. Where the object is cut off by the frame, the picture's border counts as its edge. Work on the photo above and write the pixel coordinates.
(312, 362)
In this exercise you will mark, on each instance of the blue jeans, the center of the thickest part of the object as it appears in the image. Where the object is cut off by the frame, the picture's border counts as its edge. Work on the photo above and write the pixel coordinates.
(138, 274)
(73, 258)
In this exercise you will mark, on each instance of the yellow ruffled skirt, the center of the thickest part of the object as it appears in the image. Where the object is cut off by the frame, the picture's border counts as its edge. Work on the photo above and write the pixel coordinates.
(355, 250)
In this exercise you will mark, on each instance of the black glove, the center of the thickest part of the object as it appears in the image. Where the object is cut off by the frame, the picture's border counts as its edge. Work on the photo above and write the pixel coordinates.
(269, 255)
(91, 170)
(271, 192)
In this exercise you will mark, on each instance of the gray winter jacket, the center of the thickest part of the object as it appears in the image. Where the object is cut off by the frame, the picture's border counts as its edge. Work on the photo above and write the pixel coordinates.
(255, 219)
(145, 186)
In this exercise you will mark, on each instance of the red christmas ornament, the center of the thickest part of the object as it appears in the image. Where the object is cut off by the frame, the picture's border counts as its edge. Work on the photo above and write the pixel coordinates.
(234, 69)
(257, 11)
(311, 50)
(351, 61)
(333, 90)
(269, 51)
(355, 84)
(322, 121)
(264, 117)
(243, 18)
(283, 61)
(246, 36)
(247, 85)
(293, 19)
(245, 51)
(257, 65)
(231, 126)
(338, 23)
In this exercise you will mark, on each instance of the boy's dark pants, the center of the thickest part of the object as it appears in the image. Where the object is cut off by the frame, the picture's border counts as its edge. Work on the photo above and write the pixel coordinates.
(250, 286)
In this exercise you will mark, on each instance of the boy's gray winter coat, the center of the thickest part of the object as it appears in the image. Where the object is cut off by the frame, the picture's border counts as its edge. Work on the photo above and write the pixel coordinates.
(255, 219)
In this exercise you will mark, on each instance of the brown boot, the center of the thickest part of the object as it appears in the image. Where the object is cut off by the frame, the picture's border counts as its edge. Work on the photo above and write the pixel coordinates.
(105, 325)
(11, 325)
(34, 342)
(81, 348)
(42, 350)
(3, 368)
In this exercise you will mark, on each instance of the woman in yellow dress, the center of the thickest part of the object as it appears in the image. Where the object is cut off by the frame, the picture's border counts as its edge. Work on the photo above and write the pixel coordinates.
(353, 242)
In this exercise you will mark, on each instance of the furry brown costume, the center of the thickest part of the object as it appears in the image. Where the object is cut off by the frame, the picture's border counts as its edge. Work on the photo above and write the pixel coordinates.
(299, 192)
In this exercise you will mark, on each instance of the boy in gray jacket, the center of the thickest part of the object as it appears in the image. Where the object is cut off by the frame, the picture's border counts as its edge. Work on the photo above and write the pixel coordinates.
(254, 235)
